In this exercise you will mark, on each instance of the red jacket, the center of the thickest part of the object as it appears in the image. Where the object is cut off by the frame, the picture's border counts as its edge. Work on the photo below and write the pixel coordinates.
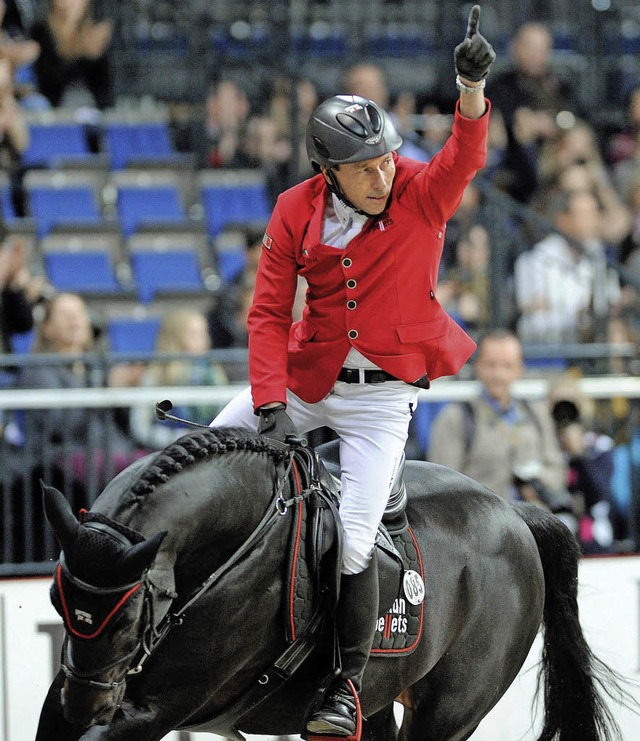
(377, 295)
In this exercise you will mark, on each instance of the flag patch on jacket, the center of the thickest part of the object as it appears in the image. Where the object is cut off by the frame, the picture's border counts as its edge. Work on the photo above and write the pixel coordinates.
(267, 241)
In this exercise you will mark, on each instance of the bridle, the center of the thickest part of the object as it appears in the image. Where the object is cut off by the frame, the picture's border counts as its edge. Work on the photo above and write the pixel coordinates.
(151, 634)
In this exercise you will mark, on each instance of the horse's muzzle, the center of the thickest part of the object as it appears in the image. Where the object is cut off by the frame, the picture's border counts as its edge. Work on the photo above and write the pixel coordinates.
(87, 706)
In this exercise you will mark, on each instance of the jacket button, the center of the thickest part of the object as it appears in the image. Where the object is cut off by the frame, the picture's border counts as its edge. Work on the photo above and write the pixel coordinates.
(351, 304)
(351, 283)
(347, 262)
(353, 334)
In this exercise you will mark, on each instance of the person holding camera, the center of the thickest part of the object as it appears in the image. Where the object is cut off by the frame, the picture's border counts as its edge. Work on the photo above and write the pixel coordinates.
(507, 444)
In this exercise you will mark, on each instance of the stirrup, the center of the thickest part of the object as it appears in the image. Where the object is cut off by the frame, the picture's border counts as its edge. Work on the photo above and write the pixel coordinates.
(329, 732)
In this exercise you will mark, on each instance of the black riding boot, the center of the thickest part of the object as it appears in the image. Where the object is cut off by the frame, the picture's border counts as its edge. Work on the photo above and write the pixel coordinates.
(356, 618)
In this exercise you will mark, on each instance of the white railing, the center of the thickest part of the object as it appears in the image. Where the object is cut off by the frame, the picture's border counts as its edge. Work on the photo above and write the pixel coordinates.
(602, 387)
(27, 544)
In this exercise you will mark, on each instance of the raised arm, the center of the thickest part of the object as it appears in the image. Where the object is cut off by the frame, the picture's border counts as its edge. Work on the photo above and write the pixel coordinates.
(473, 58)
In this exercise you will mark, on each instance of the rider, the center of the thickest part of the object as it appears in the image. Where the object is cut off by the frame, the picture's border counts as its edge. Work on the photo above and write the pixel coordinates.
(367, 233)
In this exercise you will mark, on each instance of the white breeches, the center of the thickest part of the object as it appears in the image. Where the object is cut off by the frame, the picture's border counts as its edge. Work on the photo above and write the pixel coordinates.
(372, 421)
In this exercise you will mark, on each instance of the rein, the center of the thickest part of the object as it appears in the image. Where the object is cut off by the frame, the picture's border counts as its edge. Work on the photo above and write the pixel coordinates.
(277, 507)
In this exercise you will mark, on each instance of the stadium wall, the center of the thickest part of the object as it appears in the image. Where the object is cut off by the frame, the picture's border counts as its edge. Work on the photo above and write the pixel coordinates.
(31, 635)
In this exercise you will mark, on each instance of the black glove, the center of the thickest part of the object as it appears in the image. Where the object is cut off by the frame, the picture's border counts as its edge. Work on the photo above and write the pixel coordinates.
(474, 55)
(276, 423)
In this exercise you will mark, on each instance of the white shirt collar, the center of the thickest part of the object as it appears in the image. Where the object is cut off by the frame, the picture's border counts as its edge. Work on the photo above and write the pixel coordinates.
(347, 215)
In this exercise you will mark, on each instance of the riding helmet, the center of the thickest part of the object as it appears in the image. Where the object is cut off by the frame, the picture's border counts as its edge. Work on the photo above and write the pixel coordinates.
(348, 128)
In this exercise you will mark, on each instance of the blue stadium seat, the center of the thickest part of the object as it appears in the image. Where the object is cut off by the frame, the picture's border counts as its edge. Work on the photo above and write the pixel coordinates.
(83, 272)
(51, 142)
(51, 207)
(140, 206)
(230, 264)
(55, 199)
(233, 198)
(128, 334)
(171, 271)
(129, 143)
(21, 342)
(230, 250)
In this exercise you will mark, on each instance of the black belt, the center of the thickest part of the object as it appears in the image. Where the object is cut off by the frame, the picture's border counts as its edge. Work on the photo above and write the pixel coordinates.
(353, 375)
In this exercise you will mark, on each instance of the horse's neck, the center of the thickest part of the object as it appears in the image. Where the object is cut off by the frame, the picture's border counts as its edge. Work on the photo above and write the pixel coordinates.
(212, 518)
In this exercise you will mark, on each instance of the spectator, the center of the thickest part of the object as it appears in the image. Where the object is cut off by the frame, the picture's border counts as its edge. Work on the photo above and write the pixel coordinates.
(368, 80)
(21, 53)
(267, 150)
(74, 64)
(14, 135)
(630, 246)
(505, 443)
(186, 332)
(228, 317)
(17, 17)
(15, 308)
(19, 290)
(564, 288)
(283, 157)
(572, 161)
(589, 458)
(624, 146)
(464, 289)
(631, 241)
(479, 207)
(530, 96)
(435, 124)
(220, 139)
(14, 47)
(71, 437)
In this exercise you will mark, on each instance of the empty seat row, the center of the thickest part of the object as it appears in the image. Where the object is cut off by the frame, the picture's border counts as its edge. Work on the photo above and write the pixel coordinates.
(140, 200)
(142, 266)
(152, 274)
(55, 142)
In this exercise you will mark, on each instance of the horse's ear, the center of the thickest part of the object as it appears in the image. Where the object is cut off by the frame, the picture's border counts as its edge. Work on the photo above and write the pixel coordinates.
(141, 556)
(62, 520)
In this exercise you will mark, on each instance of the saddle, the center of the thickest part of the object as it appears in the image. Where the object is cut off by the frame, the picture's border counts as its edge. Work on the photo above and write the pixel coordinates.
(315, 556)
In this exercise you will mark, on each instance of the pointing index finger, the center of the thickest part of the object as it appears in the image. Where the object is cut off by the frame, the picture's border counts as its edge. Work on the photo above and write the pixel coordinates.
(474, 20)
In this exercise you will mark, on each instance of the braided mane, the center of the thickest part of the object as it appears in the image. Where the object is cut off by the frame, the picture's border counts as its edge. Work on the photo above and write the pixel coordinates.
(199, 446)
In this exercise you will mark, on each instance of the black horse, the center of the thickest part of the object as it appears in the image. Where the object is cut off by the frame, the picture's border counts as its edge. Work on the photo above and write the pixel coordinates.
(174, 592)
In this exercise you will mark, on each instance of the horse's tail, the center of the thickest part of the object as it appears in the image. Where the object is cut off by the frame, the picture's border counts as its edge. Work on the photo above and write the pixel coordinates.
(575, 682)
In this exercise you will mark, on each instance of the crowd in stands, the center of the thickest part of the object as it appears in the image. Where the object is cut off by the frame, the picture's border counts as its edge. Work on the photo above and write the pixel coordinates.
(559, 264)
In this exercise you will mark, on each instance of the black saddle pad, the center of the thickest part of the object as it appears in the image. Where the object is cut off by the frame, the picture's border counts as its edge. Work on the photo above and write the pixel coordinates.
(401, 573)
